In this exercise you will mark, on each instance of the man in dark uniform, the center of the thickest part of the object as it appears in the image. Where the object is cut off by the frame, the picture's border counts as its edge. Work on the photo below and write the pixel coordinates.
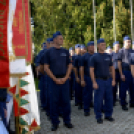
(77, 53)
(125, 73)
(83, 49)
(42, 77)
(100, 67)
(72, 76)
(78, 88)
(114, 55)
(58, 67)
(109, 50)
(85, 78)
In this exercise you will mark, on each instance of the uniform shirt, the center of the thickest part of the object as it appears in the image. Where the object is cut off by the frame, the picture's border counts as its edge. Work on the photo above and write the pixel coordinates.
(115, 59)
(132, 59)
(125, 57)
(85, 62)
(72, 61)
(40, 55)
(77, 61)
(101, 64)
(58, 60)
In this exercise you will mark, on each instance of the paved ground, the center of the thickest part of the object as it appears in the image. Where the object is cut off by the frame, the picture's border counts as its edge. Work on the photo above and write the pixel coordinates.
(124, 123)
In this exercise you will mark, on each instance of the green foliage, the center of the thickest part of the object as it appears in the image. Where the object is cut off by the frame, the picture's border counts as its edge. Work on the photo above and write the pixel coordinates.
(74, 18)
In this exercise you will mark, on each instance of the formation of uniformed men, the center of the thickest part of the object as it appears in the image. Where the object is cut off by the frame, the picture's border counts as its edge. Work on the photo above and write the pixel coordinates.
(93, 79)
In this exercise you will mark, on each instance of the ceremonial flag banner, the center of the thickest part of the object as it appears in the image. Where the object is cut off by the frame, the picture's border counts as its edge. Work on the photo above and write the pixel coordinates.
(19, 31)
(4, 56)
(28, 30)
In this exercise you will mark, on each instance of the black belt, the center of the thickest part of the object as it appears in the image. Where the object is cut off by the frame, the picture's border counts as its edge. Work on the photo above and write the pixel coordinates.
(59, 76)
(103, 78)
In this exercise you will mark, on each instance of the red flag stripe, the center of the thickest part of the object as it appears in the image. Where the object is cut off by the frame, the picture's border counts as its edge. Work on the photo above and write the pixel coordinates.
(4, 55)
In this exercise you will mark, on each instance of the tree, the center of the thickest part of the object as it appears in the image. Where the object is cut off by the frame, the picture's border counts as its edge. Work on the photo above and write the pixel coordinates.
(75, 20)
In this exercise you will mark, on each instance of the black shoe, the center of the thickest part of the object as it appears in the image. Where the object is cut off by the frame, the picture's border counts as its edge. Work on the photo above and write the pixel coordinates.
(43, 109)
(69, 125)
(11, 132)
(124, 108)
(131, 105)
(86, 113)
(91, 105)
(102, 111)
(54, 127)
(76, 104)
(80, 107)
(109, 119)
(60, 115)
(99, 121)
(114, 104)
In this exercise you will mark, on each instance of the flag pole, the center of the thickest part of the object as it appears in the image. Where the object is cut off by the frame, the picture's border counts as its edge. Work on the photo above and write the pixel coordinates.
(94, 14)
(114, 26)
(131, 9)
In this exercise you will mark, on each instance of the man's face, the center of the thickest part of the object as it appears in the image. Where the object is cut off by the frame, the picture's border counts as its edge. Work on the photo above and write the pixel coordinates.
(51, 44)
(91, 49)
(127, 44)
(71, 52)
(102, 46)
(78, 50)
(109, 51)
(83, 51)
(117, 47)
(48, 45)
(59, 40)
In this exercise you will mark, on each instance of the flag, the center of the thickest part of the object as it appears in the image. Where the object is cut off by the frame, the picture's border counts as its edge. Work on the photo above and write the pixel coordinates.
(28, 30)
(19, 31)
(4, 56)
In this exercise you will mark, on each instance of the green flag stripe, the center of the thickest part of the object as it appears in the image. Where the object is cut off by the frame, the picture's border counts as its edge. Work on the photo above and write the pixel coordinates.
(23, 83)
(23, 102)
(22, 122)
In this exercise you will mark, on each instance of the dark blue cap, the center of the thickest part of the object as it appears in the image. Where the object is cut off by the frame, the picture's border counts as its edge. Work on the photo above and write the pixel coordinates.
(77, 46)
(126, 38)
(116, 42)
(91, 43)
(56, 34)
(49, 39)
(101, 40)
(108, 47)
(83, 46)
(71, 48)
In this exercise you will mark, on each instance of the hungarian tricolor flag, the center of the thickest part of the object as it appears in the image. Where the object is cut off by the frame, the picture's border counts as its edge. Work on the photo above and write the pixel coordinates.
(4, 56)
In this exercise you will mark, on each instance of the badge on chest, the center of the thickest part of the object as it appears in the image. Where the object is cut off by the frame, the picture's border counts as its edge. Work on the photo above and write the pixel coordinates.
(107, 59)
(63, 54)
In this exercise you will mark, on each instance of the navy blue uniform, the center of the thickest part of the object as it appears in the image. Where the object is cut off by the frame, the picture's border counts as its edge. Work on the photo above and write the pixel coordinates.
(3, 96)
(78, 88)
(72, 78)
(42, 80)
(125, 58)
(58, 61)
(101, 64)
(88, 89)
(117, 76)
